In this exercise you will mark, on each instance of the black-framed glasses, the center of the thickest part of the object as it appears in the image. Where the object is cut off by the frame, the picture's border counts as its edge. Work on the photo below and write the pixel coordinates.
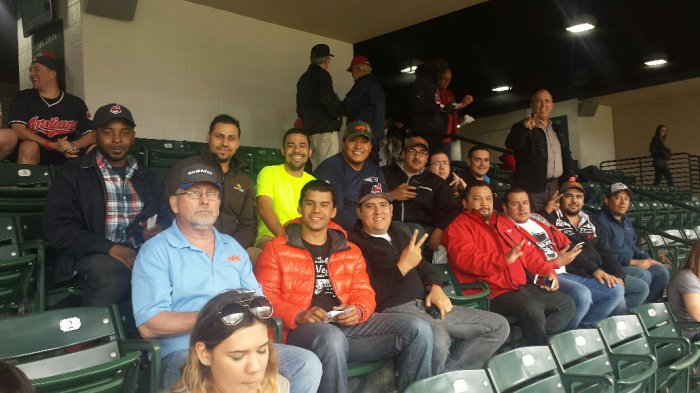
(197, 194)
(232, 314)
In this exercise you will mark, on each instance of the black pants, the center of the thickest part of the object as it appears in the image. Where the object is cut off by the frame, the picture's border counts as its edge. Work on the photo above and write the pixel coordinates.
(104, 280)
(539, 313)
(662, 171)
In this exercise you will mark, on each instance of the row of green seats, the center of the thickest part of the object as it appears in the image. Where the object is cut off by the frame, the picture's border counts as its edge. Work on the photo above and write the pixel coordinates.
(644, 352)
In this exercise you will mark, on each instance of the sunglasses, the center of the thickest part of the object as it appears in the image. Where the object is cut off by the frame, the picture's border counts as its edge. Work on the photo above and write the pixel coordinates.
(232, 314)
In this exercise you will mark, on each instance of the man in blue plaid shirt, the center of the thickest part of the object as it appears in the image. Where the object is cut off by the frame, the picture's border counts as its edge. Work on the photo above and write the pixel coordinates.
(98, 210)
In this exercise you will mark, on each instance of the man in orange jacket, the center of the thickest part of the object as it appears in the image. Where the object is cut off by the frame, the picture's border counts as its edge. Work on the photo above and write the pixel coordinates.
(318, 285)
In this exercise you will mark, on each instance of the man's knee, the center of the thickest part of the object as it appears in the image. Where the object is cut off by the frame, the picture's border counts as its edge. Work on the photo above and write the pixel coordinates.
(8, 142)
(327, 340)
(659, 273)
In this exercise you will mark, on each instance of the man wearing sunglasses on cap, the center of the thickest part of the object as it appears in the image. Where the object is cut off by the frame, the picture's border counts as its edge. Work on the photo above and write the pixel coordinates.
(177, 272)
(317, 282)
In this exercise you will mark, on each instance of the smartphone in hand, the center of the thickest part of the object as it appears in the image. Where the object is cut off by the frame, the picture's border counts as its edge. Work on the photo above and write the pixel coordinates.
(543, 281)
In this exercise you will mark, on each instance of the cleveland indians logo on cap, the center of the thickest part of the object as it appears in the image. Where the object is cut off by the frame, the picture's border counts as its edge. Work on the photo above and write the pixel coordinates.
(115, 109)
(376, 189)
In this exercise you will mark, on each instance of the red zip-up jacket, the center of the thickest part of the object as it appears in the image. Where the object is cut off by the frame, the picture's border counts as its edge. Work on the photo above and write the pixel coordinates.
(477, 249)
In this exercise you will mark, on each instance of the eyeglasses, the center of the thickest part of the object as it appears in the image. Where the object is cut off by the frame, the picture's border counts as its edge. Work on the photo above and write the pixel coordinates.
(197, 194)
(440, 163)
(421, 153)
(232, 314)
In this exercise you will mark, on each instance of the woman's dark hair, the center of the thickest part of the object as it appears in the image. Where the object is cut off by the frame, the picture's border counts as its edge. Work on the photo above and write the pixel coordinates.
(13, 380)
(658, 131)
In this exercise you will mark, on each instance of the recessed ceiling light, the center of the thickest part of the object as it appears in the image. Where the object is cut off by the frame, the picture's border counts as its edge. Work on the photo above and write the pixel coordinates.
(582, 23)
(499, 89)
(655, 62)
(409, 70)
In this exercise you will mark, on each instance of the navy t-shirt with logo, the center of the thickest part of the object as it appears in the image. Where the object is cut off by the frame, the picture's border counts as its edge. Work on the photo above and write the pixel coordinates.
(64, 116)
(324, 297)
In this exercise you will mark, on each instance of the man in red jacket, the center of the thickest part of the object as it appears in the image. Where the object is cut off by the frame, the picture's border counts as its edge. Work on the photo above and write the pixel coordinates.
(485, 246)
(318, 285)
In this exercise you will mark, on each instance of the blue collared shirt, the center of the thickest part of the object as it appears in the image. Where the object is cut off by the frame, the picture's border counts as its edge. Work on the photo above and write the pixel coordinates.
(171, 274)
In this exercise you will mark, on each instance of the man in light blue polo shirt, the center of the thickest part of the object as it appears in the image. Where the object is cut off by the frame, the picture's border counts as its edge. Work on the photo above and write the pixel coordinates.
(183, 267)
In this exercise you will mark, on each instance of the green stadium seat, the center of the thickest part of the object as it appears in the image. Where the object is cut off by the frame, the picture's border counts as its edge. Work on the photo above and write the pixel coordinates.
(479, 299)
(16, 276)
(624, 334)
(461, 381)
(76, 350)
(582, 352)
(526, 369)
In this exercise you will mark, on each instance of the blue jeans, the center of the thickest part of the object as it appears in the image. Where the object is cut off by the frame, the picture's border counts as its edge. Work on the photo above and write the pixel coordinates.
(636, 291)
(301, 367)
(382, 336)
(480, 334)
(656, 278)
(594, 301)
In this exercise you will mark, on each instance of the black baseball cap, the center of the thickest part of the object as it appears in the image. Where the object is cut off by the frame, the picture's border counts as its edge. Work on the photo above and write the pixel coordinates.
(110, 112)
(46, 62)
(196, 173)
(321, 50)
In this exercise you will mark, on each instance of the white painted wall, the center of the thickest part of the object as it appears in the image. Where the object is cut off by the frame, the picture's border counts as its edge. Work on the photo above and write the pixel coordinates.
(178, 64)
(596, 137)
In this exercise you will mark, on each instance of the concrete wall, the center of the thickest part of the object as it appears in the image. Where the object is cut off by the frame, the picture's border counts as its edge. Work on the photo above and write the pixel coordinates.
(178, 64)
(636, 122)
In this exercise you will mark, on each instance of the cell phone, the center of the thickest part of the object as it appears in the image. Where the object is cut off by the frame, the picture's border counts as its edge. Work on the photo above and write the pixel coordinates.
(331, 315)
(543, 281)
(433, 311)
(579, 244)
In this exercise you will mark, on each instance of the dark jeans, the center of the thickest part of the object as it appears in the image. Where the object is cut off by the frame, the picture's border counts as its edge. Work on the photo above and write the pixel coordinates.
(662, 171)
(382, 336)
(539, 313)
(104, 280)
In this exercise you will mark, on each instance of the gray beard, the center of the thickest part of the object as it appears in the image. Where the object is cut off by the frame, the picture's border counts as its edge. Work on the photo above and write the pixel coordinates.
(202, 221)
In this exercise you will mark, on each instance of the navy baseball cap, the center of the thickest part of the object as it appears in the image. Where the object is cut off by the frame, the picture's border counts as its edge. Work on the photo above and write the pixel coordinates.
(370, 190)
(109, 112)
(197, 173)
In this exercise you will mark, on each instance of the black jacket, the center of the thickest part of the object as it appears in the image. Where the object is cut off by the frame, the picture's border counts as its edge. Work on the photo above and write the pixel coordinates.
(317, 104)
(74, 217)
(426, 113)
(433, 205)
(366, 102)
(590, 259)
(391, 287)
(659, 152)
(530, 147)
(238, 217)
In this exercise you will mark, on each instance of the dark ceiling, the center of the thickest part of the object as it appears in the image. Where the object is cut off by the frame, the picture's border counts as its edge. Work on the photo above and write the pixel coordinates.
(524, 43)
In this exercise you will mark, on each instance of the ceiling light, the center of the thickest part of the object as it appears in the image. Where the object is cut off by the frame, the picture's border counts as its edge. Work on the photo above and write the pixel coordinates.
(656, 59)
(582, 23)
(499, 89)
(409, 70)
(655, 62)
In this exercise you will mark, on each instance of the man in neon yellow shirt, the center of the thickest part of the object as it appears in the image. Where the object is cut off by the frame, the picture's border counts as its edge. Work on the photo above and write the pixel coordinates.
(278, 186)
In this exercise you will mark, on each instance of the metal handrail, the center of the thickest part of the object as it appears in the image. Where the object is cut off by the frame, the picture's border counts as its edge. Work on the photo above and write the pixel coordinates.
(684, 167)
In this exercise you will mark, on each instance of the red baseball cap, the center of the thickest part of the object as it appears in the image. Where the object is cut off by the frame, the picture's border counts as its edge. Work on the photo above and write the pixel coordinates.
(357, 60)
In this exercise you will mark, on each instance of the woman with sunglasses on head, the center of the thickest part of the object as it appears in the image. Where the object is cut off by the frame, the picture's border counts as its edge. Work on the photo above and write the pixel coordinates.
(230, 350)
